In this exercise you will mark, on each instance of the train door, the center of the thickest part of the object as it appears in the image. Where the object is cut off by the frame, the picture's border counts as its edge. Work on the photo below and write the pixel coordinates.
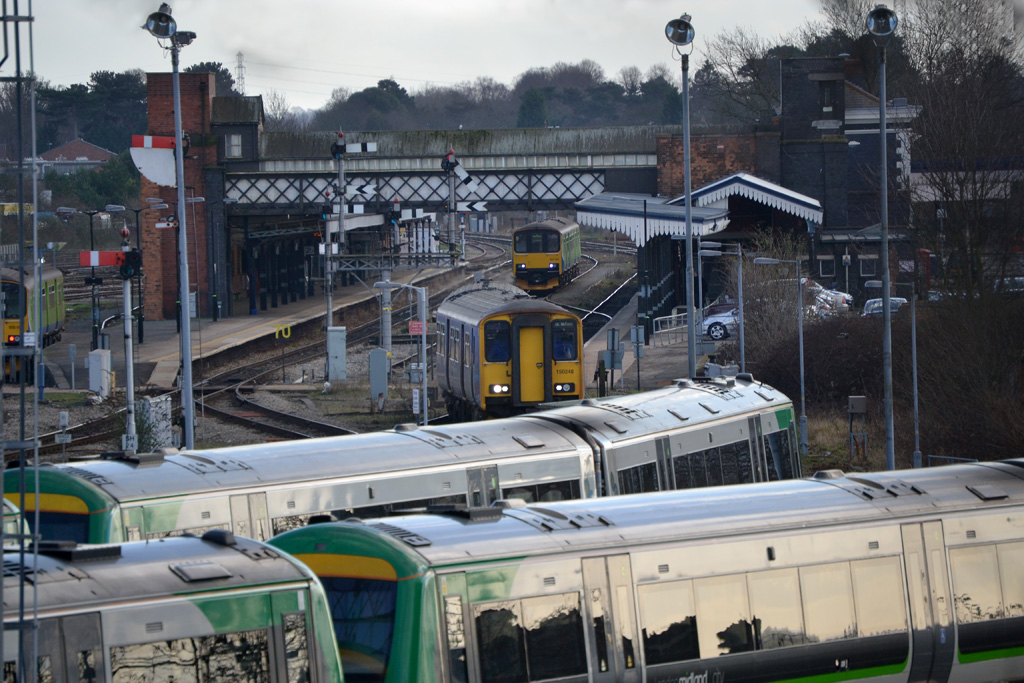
(757, 455)
(70, 650)
(249, 516)
(482, 486)
(928, 590)
(608, 598)
(529, 336)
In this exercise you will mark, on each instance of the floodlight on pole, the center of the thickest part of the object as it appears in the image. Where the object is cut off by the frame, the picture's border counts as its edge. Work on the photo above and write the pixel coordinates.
(161, 25)
(764, 261)
(881, 22)
(680, 33)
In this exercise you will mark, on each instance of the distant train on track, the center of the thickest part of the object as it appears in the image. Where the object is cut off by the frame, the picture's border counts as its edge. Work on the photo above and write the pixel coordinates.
(907, 576)
(546, 254)
(501, 352)
(19, 310)
(689, 434)
(219, 608)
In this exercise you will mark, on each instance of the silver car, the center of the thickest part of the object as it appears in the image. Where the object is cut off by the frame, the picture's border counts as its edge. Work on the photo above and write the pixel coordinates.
(720, 321)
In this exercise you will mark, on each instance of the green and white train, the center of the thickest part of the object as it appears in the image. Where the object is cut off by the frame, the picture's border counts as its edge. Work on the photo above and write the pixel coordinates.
(205, 610)
(690, 434)
(914, 575)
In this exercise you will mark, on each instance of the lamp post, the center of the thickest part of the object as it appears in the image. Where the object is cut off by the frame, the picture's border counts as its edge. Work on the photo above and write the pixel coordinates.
(763, 261)
(714, 249)
(680, 33)
(913, 362)
(422, 293)
(138, 276)
(881, 23)
(162, 26)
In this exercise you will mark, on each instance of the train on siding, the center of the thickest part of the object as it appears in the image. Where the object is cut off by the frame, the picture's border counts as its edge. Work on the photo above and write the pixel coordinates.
(216, 608)
(689, 434)
(914, 575)
(501, 352)
(546, 254)
(20, 314)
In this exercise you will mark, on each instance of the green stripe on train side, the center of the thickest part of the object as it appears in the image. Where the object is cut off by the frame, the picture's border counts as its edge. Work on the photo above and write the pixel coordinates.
(989, 655)
(784, 417)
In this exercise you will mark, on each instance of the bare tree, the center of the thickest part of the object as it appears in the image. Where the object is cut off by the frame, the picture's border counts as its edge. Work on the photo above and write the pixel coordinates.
(630, 78)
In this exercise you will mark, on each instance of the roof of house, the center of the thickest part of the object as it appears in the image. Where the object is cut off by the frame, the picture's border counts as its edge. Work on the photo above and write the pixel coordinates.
(77, 149)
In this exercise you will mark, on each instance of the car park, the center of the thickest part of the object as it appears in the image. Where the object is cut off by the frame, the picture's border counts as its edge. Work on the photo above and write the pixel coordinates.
(873, 307)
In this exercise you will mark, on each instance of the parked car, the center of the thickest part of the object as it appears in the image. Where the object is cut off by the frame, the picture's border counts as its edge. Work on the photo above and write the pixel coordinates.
(873, 307)
(720, 321)
(838, 302)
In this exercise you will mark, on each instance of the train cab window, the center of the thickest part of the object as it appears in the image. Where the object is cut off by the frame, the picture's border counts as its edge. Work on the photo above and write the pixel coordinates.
(536, 242)
(363, 611)
(67, 526)
(563, 340)
(11, 300)
(669, 622)
(497, 341)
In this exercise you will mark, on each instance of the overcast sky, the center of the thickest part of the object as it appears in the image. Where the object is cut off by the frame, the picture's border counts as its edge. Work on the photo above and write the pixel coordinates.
(306, 48)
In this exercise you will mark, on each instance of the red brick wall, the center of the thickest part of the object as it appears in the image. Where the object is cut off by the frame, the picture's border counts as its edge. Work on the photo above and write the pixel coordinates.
(711, 157)
(159, 247)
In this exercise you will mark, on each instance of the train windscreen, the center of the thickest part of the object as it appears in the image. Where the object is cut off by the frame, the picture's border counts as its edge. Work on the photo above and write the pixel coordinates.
(11, 300)
(563, 340)
(497, 341)
(363, 611)
(536, 242)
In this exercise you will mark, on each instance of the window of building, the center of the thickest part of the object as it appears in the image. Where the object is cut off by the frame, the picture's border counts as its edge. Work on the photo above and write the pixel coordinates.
(868, 265)
(233, 146)
(827, 266)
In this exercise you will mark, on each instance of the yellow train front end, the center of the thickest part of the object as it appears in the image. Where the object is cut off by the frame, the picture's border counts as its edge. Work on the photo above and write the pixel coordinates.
(528, 358)
(537, 272)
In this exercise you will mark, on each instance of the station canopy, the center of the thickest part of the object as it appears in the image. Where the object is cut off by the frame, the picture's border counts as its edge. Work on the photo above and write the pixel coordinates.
(642, 217)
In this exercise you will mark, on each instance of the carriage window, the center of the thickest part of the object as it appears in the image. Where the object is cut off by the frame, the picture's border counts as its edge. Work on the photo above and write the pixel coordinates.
(828, 602)
(296, 647)
(240, 656)
(780, 455)
(669, 622)
(456, 628)
(775, 604)
(363, 611)
(736, 463)
(563, 340)
(441, 339)
(467, 352)
(497, 341)
(977, 594)
(1011, 559)
(545, 493)
(878, 596)
(500, 632)
(639, 479)
(724, 625)
(454, 346)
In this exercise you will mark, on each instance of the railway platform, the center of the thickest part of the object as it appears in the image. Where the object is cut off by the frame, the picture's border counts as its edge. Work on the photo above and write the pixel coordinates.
(157, 359)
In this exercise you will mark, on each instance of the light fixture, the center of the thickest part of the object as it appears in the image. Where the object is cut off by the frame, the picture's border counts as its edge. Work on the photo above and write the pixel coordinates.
(680, 31)
(160, 24)
(881, 22)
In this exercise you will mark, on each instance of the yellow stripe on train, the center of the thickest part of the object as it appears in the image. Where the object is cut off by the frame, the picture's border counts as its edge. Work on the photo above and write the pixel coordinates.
(51, 502)
(349, 566)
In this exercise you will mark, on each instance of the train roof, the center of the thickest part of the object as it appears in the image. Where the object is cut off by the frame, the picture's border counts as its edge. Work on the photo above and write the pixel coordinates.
(829, 499)
(684, 403)
(68, 576)
(406, 448)
(474, 302)
(561, 225)
(9, 274)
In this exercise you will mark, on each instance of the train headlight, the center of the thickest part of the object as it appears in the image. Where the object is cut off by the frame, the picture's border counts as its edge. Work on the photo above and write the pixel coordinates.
(521, 266)
(565, 388)
(552, 266)
(500, 388)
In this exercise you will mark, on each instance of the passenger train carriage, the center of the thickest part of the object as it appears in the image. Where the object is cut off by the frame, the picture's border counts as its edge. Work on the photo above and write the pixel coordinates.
(915, 575)
(690, 434)
(500, 352)
(546, 254)
(19, 310)
(219, 608)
